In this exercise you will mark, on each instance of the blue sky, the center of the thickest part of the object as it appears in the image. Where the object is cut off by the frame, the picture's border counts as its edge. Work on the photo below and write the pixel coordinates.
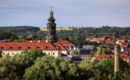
(67, 12)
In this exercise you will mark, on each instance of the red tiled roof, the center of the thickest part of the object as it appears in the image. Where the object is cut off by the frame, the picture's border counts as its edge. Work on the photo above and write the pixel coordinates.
(123, 45)
(25, 45)
(100, 40)
(109, 40)
(122, 41)
(64, 43)
(34, 44)
(124, 56)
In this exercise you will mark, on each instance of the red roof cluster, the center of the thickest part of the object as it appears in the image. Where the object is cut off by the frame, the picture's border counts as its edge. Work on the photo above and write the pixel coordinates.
(34, 44)
(109, 40)
(101, 39)
(122, 54)
(98, 57)
(64, 43)
(123, 43)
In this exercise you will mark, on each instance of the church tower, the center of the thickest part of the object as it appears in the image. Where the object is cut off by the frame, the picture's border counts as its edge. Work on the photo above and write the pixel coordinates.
(51, 29)
(116, 59)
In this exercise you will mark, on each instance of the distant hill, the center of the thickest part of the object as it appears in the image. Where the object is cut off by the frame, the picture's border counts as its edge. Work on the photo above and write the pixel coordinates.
(19, 29)
(71, 32)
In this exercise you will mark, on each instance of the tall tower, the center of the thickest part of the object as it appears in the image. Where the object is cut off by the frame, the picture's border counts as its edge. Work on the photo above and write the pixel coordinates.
(51, 29)
(116, 59)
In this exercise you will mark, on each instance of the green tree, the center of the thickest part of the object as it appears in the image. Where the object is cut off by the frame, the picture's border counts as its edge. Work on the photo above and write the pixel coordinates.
(51, 68)
(74, 52)
(30, 37)
(13, 68)
(103, 49)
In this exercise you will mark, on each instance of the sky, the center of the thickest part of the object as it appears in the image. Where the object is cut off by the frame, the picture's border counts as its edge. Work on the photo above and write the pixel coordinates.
(68, 13)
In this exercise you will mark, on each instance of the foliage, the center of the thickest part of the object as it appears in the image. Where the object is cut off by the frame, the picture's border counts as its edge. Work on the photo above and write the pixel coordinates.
(102, 49)
(34, 65)
(77, 35)
(74, 52)
(104, 70)
(0, 53)
(9, 36)
(50, 68)
(13, 68)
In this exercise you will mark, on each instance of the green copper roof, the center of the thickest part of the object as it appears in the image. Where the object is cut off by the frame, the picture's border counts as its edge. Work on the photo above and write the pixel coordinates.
(51, 13)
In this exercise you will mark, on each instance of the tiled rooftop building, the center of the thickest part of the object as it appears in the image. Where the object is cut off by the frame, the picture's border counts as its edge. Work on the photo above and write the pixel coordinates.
(54, 49)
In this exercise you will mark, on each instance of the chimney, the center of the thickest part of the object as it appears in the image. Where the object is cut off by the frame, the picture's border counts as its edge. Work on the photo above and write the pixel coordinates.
(116, 59)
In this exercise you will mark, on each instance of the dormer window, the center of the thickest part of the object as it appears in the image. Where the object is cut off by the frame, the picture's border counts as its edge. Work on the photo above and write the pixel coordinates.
(27, 47)
(1, 48)
(9, 47)
(45, 47)
(36, 47)
(38, 41)
(58, 48)
(18, 47)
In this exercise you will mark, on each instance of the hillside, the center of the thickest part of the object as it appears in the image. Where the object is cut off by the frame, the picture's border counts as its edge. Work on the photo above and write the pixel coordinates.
(19, 29)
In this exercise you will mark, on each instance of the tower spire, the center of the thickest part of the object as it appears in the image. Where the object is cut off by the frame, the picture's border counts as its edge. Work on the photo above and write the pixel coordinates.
(51, 12)
(51, 28)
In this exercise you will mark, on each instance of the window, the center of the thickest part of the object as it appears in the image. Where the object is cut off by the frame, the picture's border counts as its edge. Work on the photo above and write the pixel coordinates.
(45, 47)
(1, 48)
(36, 47)
(9, 47)
(58, 47)
(27, 47)
(53, 53)
(18, 47)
